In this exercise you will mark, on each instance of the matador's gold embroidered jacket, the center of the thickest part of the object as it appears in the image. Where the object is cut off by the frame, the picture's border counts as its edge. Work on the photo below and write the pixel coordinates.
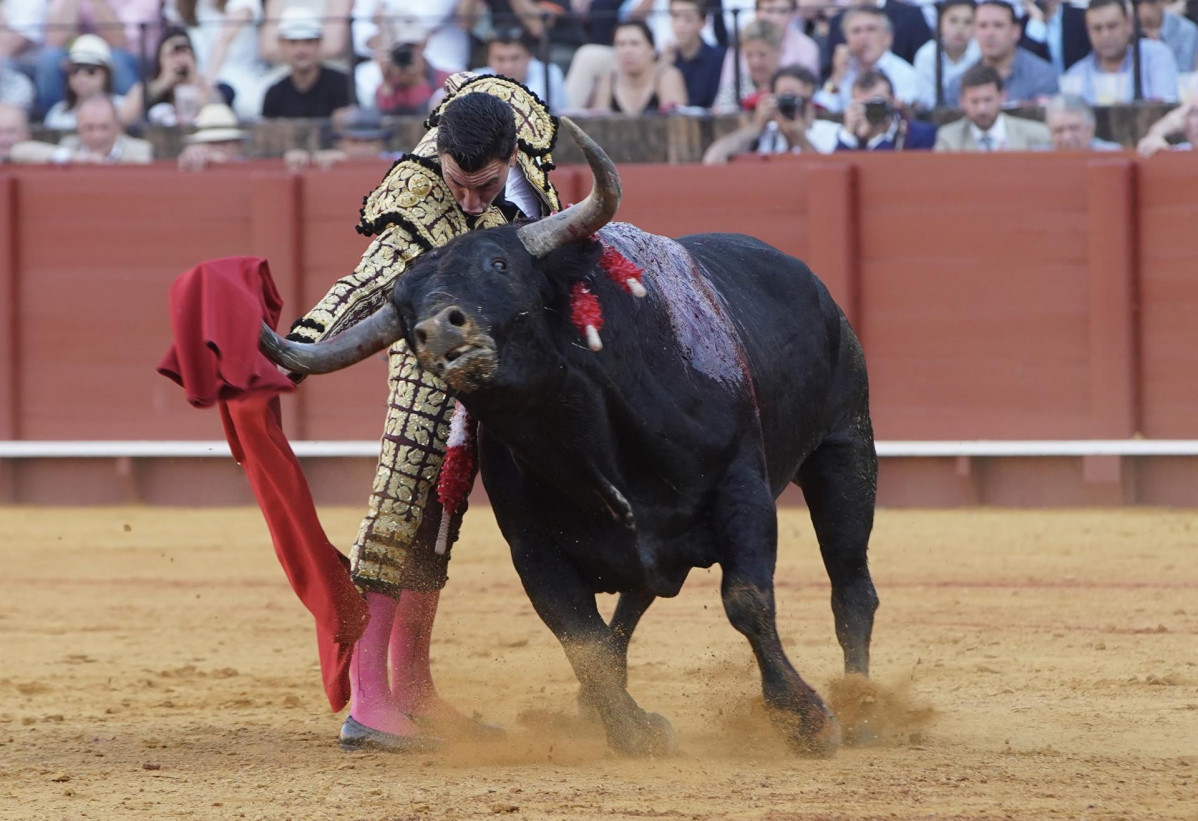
(413, 210)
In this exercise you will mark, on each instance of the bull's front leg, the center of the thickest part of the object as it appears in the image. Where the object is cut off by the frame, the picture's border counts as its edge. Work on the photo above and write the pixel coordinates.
(747, 520)
(596, 652)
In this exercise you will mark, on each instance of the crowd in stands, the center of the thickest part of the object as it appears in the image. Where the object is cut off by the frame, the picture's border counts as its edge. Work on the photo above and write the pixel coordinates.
(804, 75)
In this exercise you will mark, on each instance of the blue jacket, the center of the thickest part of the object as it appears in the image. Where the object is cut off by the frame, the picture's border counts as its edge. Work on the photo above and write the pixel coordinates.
(921, 136)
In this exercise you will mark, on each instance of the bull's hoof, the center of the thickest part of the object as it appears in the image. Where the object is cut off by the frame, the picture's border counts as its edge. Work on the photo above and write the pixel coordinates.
(654, 737)
(812, 732)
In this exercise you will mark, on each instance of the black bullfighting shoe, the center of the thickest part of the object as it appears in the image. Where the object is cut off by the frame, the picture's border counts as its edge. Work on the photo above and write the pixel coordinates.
(357, 736)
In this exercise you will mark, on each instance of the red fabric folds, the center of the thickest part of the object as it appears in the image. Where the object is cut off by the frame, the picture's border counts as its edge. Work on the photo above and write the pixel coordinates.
(216, 311)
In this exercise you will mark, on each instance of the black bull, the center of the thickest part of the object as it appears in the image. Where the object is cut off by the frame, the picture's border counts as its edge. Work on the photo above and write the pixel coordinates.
(622, 470)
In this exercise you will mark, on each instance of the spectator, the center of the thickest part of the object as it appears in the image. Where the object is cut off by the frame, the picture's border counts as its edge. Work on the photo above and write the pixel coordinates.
(1055, 30)
(761, 49)
(509, 53)
(89, 72)
(797, 48)
(311, 89)
(22, 33)
(334, 31)
(399, 80)
(959, 49)
(1071, 123)
(909, 31)
(15, 88)
(226, 47)
(358, 134)
(1025, 76)
(815, 17)
(98, 139)
(447, 45)
(177, 89)
(1182, 121)
(555, 22)
(641, 83)
(1179, 33)
(116, 22)
(699, 61)
(868, 38)
(14, 128)
(873, 121)
(984, 127)
(217, 139)
(602, 19)
(784, 122)
(1104, 77)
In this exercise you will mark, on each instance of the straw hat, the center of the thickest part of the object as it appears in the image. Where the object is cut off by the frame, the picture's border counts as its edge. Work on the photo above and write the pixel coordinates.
(216, 123)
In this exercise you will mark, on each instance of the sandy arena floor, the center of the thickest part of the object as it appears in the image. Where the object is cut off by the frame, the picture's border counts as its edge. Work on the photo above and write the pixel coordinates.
(155, 664)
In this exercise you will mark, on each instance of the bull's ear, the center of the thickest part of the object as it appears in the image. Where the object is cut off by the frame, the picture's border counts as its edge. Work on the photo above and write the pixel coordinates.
(571, 262)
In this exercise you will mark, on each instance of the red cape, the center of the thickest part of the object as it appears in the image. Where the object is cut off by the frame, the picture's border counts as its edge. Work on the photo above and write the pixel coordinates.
(216, 311)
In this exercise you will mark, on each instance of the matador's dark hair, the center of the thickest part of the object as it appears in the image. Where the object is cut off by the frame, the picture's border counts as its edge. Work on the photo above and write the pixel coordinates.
(475, 129)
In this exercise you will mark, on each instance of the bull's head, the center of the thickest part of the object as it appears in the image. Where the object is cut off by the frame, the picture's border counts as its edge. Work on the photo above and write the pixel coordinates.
(457, 300)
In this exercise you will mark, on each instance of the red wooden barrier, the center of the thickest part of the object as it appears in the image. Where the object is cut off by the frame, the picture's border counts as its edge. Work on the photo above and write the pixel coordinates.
(998, 297)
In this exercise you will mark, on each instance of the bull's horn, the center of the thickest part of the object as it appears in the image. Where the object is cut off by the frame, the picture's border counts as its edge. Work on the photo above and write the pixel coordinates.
(583, 219)
(369, 336)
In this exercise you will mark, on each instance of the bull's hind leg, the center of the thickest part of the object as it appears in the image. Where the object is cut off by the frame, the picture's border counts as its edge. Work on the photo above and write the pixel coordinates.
(747, 519)
(596, 651)
(839, 482)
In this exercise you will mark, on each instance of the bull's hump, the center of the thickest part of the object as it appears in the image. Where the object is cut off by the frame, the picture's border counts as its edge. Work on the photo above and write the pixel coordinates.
(697, 315)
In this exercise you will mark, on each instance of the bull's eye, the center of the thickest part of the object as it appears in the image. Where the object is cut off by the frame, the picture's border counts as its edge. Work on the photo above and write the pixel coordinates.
(499, 264)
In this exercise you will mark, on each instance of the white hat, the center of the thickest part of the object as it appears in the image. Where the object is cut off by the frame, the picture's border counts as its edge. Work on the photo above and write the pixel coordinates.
(90, 50)
(408, 30)
(216, 123)
(299, 23)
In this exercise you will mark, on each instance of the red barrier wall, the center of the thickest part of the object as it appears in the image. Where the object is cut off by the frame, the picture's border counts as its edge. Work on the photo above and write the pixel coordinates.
(1029, 296)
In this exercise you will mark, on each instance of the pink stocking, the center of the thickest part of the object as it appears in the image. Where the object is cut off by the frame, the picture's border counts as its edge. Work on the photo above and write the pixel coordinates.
(372, 702)
(411, 673)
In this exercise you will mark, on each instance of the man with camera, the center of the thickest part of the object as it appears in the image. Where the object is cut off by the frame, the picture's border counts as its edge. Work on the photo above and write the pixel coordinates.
(784, 122)
(873, 122)
(399, 80)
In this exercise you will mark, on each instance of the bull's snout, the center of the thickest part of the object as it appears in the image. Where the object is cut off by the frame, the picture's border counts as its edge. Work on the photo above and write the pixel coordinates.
(451, 344)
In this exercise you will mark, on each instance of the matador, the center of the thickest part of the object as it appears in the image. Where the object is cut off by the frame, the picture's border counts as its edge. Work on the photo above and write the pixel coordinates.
(483, 162)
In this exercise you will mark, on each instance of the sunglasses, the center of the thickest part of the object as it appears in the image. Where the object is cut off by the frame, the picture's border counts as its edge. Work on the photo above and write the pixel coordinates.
(85, 69)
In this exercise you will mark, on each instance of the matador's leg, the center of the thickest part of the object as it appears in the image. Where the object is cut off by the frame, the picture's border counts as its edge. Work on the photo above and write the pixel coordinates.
(394, 560)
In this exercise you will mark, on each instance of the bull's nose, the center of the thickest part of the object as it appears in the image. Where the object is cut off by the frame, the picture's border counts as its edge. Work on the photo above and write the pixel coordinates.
(442, 333)
(451, 344)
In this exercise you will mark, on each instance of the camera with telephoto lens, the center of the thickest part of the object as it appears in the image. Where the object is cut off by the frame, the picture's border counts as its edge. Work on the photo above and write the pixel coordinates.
(789, 105)
(403, 54)
(878, 111)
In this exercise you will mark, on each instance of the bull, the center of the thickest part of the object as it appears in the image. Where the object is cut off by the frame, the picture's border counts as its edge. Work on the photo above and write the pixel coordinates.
(620, 471)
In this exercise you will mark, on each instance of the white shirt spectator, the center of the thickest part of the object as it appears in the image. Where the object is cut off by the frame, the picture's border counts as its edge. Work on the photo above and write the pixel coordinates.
(15, 88)
(821, 134)
(27, 18)
(242, 69)
(925, 63)
(909, 87)
(448, 46)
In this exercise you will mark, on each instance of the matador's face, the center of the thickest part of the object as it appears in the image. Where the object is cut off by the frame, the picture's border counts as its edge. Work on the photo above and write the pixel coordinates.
(474, 191)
